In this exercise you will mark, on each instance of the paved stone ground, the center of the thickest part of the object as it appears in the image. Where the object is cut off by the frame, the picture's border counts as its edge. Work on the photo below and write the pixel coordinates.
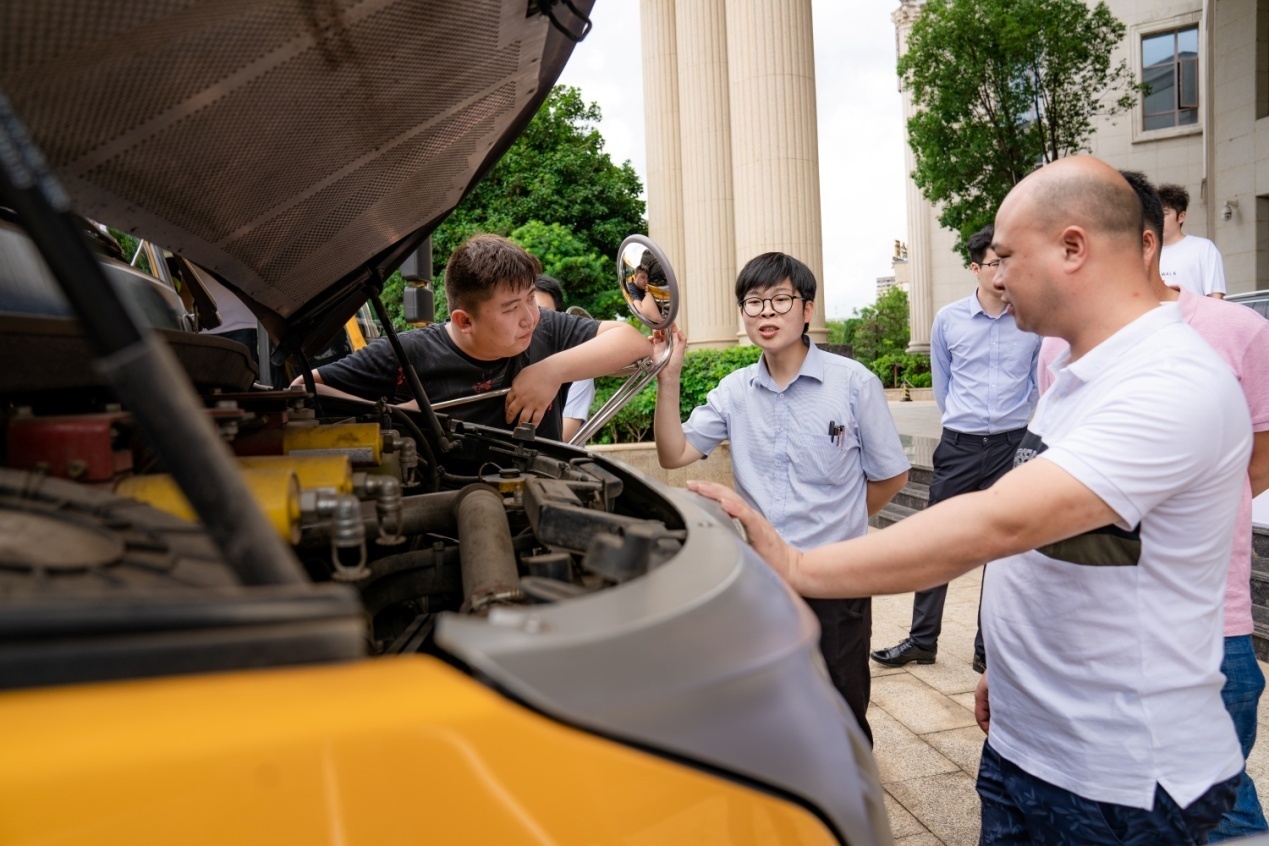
(926, 741)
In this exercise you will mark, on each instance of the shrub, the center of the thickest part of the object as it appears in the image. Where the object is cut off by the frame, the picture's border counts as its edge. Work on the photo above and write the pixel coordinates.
(914, 368)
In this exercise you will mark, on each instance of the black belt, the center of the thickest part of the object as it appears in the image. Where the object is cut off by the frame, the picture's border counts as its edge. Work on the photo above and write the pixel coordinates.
(1013, 436)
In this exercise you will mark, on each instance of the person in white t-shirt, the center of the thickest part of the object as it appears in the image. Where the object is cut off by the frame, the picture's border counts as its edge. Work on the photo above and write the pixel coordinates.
(1187, 261)
(1111, 539)
(581, 395)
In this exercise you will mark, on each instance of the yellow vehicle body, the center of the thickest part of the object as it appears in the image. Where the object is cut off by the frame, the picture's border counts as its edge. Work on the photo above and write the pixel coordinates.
(394, 751)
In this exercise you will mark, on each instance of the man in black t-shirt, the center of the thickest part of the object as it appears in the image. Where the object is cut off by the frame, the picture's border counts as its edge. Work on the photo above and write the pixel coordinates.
(496, 337)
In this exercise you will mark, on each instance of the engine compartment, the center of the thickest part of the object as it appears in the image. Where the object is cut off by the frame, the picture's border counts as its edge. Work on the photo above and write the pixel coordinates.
(106, 573)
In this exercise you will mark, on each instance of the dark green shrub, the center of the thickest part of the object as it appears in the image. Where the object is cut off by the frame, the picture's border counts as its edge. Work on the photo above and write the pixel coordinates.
(914, 368)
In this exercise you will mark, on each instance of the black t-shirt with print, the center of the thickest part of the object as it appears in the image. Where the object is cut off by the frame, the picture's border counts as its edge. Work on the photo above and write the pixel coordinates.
(449, 373)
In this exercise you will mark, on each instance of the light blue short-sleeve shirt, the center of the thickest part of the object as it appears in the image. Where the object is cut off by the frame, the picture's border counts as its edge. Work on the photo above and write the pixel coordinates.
(810, 486)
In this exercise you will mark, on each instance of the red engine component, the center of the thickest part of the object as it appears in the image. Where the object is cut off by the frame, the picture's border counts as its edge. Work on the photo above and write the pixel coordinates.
(82, 447)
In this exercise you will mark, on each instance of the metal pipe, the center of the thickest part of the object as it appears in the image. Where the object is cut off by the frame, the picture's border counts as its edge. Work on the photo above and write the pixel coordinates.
(486, 552)
(423, 514)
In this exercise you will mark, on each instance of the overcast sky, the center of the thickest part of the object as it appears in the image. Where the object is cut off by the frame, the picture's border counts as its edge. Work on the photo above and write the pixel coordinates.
(860, 129)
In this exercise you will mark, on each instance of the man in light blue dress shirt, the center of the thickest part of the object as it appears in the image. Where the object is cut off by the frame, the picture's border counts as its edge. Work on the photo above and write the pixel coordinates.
(813, 445)
(985, 384)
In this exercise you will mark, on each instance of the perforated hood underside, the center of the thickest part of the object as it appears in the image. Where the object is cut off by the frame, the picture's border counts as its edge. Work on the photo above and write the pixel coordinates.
(288, 146)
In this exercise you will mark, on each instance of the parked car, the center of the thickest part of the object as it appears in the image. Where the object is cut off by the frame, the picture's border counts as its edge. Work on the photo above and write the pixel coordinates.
(233, 615)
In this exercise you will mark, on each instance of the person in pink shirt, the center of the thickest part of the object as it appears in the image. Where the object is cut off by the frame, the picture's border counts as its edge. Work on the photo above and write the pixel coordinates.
(1241, 338)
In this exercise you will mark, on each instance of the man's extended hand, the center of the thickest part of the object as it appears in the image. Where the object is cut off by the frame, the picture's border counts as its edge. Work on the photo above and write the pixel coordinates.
(532, 392)
(675, 365)
(765, 540)
(982, 708)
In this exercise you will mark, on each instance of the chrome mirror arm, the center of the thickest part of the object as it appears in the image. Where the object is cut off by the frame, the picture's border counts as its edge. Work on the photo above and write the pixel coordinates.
(647, 371)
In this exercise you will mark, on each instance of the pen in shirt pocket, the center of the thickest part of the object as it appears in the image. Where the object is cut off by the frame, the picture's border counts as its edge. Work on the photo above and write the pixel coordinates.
(836, 433)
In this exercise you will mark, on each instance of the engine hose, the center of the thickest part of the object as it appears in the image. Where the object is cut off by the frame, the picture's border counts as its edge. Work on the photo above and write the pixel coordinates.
(487, 554)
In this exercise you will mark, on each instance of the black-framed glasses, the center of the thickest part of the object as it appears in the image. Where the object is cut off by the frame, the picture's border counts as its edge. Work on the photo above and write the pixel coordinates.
(992, 264)
(780, 304)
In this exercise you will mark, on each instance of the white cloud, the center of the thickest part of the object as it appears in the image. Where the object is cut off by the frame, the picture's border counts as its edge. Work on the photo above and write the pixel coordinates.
(860, 129)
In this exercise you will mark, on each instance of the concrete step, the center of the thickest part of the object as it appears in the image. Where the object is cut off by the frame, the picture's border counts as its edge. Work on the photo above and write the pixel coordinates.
(920, 475)
(914, 495)
(890, 515)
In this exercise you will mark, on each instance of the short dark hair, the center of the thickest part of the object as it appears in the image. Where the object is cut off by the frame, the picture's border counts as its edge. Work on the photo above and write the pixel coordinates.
(1174, 197)
(1151, 204)
(979, 243)
(482, 263)
(551, 286)
(771, 269)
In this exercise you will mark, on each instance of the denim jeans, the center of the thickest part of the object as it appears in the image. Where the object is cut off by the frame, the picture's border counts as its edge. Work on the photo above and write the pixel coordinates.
(1243, 685)
(1018, 808)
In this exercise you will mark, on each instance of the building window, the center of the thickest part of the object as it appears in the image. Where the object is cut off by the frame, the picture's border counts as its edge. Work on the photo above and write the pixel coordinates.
(1169, 67)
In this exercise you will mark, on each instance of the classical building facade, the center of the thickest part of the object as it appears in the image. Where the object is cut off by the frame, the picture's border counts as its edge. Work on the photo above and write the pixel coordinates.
(733, 161)
(1205, 126)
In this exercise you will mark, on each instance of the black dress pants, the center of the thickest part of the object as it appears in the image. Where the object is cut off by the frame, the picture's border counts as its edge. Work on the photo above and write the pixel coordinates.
(845, 632)
(962, 464)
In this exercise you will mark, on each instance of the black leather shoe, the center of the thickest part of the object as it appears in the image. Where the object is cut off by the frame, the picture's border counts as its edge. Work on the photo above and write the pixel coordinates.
(905, 653)
(980, 664)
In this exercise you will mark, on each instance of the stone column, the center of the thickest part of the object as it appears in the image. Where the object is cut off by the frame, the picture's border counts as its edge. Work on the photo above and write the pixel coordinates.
(709, 273)
(661, 122)
(921, 294)
(775, 151)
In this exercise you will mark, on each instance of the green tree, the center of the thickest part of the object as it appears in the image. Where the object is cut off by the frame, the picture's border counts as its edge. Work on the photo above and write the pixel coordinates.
(588, 277)
(555, 190)
(1002, 87)
(874, 331)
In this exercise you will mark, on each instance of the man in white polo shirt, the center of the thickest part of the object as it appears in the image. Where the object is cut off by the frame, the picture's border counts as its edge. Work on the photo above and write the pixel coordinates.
(1111, 538)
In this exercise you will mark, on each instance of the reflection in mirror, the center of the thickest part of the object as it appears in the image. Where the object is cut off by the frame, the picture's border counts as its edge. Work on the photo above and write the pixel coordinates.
(650, 289)
(647, 282)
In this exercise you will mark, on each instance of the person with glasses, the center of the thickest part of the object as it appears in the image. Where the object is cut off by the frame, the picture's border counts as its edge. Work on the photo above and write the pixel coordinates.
(984, 383)
(813, 445)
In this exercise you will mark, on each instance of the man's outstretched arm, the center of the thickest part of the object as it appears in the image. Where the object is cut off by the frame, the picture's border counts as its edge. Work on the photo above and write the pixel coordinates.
(614, 346)
(1035, 504)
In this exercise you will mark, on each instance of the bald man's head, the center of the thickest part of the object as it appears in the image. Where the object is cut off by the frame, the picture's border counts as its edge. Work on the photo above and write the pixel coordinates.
(1066, 234)
(1083, 191)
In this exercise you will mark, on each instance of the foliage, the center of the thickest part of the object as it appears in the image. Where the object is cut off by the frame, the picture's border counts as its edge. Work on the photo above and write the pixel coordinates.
(393, 288)
(877, 330)
(702, 371)
(588, 278)
(908, 366)
(555, 190)
(129, 243)
(1002, 87)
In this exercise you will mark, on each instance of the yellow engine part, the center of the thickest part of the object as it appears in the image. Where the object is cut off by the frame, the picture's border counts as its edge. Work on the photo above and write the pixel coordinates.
(361, 442)
(275, 490)
(326, 472)
(390, 751)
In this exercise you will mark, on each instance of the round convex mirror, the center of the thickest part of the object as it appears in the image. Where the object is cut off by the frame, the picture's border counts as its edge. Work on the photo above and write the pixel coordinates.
(647, 282)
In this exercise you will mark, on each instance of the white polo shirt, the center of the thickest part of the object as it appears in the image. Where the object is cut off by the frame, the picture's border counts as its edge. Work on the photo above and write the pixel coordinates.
(1105, 649)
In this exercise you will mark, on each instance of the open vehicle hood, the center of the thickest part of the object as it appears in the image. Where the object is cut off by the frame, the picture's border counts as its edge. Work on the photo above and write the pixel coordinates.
(299, 149)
